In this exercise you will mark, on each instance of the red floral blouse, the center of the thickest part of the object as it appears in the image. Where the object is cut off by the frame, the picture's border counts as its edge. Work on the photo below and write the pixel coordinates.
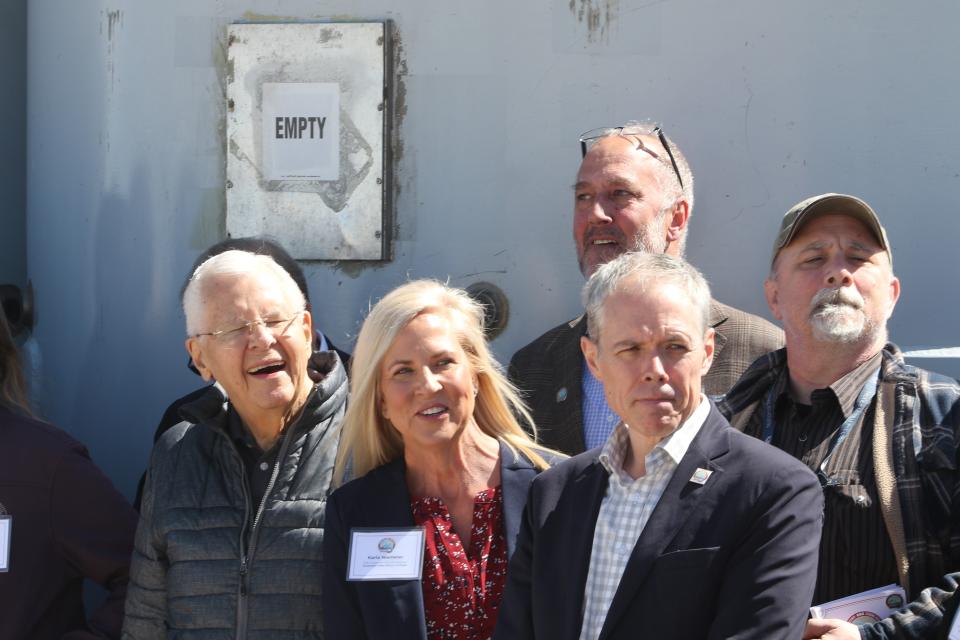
(462, 591)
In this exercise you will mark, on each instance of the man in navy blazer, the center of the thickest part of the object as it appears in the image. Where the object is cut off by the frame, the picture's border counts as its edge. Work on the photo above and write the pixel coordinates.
(679, 526)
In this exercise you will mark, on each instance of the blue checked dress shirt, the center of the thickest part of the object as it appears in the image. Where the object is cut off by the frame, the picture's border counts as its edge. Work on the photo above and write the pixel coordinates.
(625, 511)
(599, 420)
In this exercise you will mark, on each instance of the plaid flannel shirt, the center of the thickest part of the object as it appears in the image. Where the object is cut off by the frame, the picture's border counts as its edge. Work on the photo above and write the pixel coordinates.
(919, 414)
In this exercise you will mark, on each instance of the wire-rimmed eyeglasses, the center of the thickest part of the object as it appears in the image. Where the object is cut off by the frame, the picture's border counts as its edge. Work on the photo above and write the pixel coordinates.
(632, 131)
(240, 335)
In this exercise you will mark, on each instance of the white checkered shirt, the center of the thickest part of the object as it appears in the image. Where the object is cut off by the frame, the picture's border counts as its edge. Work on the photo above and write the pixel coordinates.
(626, 508)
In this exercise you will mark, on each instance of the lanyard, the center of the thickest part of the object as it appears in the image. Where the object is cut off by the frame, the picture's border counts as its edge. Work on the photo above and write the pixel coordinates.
(863, 401)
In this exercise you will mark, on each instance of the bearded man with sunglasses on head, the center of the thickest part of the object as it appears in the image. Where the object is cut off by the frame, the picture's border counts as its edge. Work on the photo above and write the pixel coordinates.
(231, 527)
(634, 192)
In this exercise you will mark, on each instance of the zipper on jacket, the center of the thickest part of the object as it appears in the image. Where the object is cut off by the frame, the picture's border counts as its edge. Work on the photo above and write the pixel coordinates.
(247, 551)
(243, 576)
(241, 623)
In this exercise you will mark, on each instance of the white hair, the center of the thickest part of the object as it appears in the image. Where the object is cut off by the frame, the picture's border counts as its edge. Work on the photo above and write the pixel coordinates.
(643, 270)
(234, 263)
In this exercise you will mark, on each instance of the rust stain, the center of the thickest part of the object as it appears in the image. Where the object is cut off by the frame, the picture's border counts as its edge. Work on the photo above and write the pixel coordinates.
(114, 20)
(399, 94)
(353, 269)
(251, 16)
(597, 15)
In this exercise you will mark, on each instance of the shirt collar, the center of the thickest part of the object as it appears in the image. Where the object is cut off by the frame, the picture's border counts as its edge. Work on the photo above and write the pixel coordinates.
(675, 445)
(320, 342)
(846, 389)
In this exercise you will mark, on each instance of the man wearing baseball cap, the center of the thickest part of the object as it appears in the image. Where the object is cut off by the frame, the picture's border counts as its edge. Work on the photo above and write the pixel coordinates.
(882, 436)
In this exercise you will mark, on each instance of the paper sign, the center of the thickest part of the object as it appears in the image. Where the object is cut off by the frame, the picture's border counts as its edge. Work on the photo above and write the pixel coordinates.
(863, 608)
(386, 554)
(6, 528)
(301, 131)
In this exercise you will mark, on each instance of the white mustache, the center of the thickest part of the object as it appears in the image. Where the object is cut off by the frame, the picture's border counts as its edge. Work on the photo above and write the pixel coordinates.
(843, 296)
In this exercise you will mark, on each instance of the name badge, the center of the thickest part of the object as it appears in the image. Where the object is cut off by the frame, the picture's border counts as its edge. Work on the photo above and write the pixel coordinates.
(6, 528)
(385, 554)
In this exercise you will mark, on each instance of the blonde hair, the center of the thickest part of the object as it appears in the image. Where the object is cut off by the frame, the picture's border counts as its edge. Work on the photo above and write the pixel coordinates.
(369, 440)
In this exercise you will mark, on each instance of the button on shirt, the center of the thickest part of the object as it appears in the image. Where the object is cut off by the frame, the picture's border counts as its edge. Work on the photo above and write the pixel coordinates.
(598, 419)
(625, 510)
(855, 549)
(257, 464)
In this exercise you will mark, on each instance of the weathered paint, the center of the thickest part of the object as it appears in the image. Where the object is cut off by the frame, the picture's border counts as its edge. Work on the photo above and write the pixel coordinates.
(348, 220)
(490, 98)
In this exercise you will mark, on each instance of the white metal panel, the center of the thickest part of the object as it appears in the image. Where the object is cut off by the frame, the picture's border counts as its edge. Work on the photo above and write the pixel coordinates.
(340, 219)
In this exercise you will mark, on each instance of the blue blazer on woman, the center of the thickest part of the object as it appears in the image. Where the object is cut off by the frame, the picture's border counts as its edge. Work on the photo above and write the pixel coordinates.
(393, 608)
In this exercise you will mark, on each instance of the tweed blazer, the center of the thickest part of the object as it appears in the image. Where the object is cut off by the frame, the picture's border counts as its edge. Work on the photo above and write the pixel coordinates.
(548, 370)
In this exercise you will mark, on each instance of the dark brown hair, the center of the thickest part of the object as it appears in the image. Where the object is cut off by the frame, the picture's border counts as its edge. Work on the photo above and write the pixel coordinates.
(13, 390)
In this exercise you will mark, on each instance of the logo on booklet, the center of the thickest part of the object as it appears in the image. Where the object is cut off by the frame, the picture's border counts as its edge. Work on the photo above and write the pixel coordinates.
(894, 601)
(863, 617)
(386, 545)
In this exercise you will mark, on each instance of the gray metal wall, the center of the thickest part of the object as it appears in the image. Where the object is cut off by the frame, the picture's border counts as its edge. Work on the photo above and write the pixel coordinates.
(13, 142)
(771, 101)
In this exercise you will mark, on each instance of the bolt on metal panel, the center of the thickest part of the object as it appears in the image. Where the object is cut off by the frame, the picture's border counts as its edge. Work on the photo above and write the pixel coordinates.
(273, 185)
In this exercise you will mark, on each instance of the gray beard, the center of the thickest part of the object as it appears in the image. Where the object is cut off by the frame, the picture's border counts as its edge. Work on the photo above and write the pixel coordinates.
(837, 316)
(653, 237)
(649, 239)
(840, 323)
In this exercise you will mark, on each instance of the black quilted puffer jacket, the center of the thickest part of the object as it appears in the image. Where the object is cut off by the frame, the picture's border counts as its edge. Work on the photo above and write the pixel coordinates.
(209, 564)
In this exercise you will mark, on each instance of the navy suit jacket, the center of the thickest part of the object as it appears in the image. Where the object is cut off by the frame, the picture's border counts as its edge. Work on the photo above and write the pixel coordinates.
(393, 608)
(735, 557)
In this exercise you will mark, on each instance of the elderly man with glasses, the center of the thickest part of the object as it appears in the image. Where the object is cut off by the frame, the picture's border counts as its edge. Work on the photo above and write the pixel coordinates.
(231, 527)
(634, 192)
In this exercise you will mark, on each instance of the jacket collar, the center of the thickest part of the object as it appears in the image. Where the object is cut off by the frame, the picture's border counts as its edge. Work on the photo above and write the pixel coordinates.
(767, 369)
(327, 396)
(679, 501)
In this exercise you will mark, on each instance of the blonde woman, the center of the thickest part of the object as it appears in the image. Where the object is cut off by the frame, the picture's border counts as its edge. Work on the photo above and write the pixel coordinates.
(442, 464)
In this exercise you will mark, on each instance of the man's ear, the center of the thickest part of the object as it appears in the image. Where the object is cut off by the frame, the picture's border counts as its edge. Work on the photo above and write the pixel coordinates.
(772, 294)
(894, 294)
(709, 342)
(196, 354)
(308, 327)
(677, 223)
(590, 354)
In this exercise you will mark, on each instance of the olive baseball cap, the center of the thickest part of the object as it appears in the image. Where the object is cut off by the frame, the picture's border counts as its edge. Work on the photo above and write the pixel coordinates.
(827, 203)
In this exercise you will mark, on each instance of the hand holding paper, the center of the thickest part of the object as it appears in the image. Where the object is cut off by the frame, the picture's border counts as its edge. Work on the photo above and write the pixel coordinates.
(863, 608)
(830, 629)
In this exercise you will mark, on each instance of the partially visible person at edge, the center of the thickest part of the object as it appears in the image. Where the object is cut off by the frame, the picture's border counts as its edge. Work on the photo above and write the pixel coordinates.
(634, 192)
(259, 246)
(230, 536)
(63, 520)
(432, 432)
(882, 436)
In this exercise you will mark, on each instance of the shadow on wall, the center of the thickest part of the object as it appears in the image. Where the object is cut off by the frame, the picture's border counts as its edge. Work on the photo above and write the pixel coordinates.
(116, 370)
